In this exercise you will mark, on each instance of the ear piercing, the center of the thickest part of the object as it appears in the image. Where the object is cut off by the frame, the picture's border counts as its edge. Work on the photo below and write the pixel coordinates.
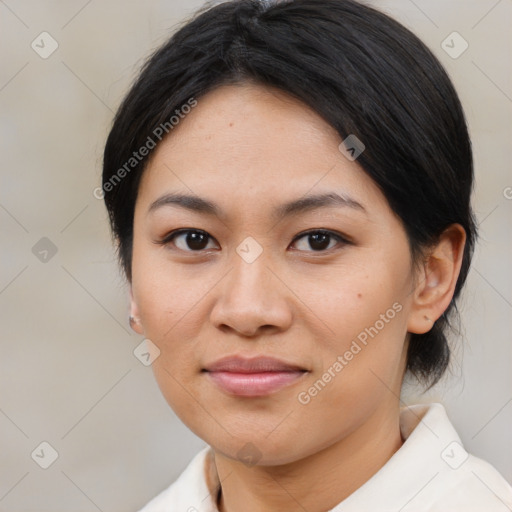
(427, 318)
(132, 321)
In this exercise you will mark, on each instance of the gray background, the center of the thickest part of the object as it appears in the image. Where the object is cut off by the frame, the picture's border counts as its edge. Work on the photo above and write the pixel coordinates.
(68, 375)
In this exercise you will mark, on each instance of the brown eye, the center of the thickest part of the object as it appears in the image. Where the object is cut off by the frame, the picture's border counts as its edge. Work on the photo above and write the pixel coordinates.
(189, 240)
(320, 240)
(193, 240)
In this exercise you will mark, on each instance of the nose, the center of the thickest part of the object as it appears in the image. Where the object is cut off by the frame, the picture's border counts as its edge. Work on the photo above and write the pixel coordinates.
(252, 299)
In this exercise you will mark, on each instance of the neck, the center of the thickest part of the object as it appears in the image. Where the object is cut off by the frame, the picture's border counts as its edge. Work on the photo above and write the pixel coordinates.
(317, 482)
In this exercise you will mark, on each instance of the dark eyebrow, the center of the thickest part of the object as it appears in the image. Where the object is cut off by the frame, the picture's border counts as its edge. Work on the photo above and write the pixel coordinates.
(304, 204)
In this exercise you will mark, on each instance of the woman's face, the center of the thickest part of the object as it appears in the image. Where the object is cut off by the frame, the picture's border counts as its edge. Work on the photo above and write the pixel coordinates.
(258, 280)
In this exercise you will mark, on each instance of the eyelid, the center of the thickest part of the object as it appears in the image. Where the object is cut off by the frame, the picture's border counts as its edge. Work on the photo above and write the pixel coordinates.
(172, 234)
(333, 234)
(343, 240)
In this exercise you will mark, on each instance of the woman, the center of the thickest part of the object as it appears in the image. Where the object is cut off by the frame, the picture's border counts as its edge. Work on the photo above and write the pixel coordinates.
(289, 187)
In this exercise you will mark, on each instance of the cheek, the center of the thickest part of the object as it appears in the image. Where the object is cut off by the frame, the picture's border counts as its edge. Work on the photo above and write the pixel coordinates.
(162, 291)
(349, 300)
(359, 366)
(365, 309)
(166, 308)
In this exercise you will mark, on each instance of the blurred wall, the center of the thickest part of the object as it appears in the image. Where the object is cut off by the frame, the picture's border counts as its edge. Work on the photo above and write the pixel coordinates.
(68, 375)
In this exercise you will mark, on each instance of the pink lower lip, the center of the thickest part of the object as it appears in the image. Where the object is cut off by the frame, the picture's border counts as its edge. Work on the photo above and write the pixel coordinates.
(254, 384)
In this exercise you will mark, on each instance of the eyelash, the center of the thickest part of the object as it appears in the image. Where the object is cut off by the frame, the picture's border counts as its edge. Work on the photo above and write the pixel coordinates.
(337, 236)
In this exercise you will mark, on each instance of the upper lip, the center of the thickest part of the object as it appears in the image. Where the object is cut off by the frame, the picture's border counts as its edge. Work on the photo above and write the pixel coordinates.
(238, 364)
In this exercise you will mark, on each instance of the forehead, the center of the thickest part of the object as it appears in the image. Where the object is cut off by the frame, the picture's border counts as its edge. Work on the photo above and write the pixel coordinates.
(249, 145)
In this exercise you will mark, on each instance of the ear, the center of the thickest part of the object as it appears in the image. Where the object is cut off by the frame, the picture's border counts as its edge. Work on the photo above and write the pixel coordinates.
(134, 315)
(437, 279)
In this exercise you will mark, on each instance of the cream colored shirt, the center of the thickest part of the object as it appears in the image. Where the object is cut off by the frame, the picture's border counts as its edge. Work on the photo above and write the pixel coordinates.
(430, 472)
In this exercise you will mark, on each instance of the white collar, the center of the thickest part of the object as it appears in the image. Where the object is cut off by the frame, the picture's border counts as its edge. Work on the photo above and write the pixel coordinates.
(423, 427)
(431, 471)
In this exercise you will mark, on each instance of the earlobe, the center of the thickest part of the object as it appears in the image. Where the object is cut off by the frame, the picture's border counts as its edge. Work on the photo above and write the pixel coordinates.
(134, 318)
(437, 281)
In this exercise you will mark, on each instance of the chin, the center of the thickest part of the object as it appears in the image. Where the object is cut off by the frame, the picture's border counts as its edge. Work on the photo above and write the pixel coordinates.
(255, 448)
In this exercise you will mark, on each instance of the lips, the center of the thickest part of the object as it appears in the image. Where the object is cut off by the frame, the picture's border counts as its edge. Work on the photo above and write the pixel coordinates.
(257, 376)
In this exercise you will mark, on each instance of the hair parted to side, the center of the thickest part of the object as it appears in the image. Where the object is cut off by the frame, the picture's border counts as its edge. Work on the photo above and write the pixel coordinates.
(361, 71)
